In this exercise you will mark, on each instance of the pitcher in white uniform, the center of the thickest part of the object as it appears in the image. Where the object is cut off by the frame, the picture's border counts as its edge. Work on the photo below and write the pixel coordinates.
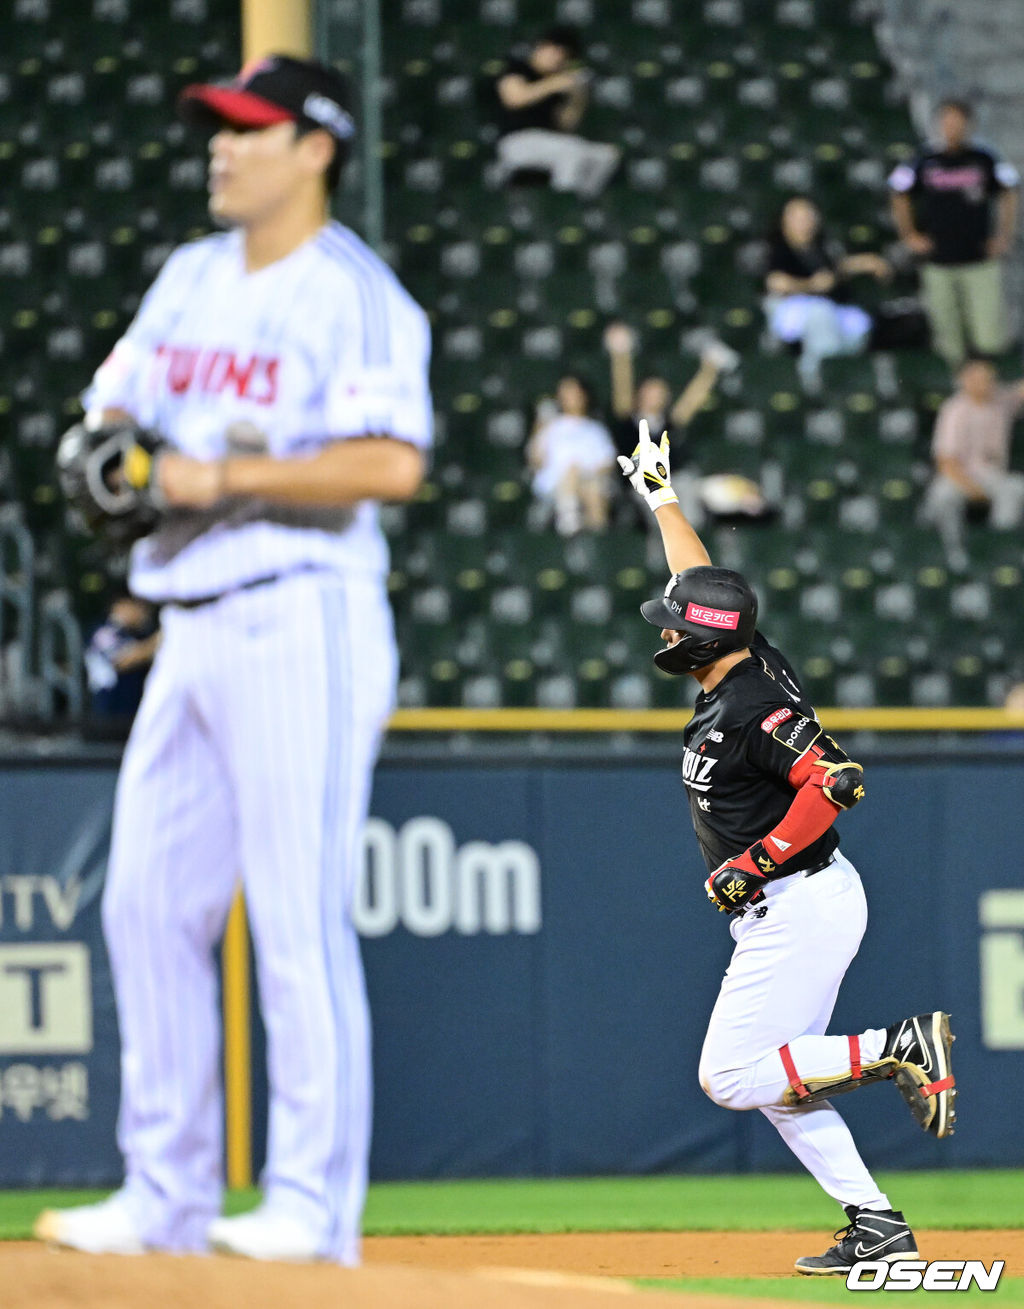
(288, 367)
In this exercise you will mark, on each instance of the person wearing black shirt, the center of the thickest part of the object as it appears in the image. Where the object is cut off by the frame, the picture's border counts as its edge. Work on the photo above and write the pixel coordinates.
(804, 302)
(650, 400)
(118, 658)
(765, 784)
(943, 205)
(542, 99)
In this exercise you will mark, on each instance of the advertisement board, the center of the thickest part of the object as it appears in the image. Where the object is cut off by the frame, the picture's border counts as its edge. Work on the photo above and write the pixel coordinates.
(541, 961)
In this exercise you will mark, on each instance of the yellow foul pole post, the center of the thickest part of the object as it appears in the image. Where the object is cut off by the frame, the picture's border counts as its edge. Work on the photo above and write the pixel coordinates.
(237, 1048)
(280, 26)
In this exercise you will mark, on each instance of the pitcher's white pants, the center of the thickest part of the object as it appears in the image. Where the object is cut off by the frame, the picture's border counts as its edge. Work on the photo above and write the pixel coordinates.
(781, 987)
(250, 759)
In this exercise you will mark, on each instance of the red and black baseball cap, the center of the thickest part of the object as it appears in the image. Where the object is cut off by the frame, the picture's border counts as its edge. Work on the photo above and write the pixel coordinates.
(275, 89)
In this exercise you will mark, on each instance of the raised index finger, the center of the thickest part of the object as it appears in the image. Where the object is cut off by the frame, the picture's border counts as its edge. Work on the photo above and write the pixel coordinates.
(645, 440)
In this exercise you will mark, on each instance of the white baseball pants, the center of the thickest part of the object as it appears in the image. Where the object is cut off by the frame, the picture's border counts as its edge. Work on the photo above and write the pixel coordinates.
(781, 987)
(250, 759)
(574, 163)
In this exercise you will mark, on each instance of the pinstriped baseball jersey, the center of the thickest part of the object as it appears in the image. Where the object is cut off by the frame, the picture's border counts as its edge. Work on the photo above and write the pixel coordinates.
(321, 345)
(252, 755)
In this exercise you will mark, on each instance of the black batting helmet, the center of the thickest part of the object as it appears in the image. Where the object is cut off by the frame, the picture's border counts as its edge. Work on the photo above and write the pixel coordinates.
(714, 609)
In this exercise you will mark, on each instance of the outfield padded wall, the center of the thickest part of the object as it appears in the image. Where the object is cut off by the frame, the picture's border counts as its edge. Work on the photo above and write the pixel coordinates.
(541, 962)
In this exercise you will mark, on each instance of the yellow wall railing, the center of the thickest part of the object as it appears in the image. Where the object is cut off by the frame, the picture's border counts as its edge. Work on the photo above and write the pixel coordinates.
(674, 720)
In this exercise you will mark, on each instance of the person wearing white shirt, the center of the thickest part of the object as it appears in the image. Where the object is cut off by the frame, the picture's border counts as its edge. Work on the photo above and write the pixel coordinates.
(571, 456)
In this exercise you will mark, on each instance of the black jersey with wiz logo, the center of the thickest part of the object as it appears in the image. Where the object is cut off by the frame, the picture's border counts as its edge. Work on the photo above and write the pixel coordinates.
(743, 740)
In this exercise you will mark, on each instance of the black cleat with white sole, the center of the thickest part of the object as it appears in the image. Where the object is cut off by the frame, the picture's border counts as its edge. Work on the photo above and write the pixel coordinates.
(875, 1235)
(924, 1074)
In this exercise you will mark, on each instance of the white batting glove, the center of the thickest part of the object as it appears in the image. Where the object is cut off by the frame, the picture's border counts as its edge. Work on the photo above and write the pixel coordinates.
(647, 472)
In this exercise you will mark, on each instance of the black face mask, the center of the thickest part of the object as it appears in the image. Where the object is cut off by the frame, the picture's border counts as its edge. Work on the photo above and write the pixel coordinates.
(687, 654)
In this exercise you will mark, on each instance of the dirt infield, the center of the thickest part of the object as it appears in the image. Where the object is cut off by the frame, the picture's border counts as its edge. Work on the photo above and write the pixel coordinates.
(667, 1254)
(566, 1271)
(34, 1278)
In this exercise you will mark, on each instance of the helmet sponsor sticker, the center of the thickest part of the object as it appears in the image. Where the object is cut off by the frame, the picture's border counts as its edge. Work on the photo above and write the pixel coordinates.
(708, 617)
(773, 720)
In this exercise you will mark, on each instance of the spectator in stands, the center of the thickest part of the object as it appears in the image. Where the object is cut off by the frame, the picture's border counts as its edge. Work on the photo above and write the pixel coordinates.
(804, 302)
(1014, 701)
(943, 207)
(543, 99)
(572, 457)
(118, 658)
(651, 398)
(971, 452)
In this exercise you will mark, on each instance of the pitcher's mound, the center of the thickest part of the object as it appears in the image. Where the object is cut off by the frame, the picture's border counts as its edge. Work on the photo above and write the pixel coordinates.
(36, 1278)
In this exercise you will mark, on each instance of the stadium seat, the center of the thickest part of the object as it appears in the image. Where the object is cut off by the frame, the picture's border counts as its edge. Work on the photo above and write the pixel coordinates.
(724, 108)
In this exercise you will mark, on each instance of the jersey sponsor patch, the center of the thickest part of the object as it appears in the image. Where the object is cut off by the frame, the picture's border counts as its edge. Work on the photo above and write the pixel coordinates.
(708, 617)
(773, 720)
(798, 736)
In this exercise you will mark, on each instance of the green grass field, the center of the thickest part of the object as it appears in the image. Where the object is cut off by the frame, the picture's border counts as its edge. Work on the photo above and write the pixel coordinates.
(827, 1291)
(962, 1200)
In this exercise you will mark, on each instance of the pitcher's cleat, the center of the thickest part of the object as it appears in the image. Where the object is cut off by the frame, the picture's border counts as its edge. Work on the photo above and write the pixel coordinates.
(924, 1073)
(104, 1228)
(882, 1236)
(264, 1234)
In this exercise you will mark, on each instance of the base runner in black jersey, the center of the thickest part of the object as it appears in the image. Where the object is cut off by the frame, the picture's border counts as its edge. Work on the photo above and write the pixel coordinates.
(765, 784)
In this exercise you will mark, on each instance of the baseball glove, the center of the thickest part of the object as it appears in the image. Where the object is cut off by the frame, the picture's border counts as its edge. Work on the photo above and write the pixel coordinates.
(108, 476)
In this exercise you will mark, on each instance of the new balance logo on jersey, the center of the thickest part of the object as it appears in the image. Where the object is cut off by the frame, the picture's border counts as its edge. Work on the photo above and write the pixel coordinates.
(697, 770)
(716, 736)
(210, 372)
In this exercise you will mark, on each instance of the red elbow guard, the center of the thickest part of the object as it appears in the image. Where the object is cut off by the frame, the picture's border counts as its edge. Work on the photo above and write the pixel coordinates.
(810, 815)
(826, 782)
